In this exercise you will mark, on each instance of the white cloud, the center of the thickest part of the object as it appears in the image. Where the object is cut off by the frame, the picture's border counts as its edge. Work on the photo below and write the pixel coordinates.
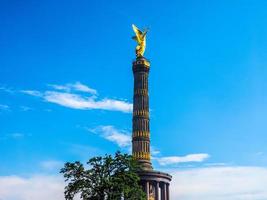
(220, 183)
(119, 137)
(182, 159)
(36, 187)
(77, 101)
(69, 99)
(83, 88)
(211, 183)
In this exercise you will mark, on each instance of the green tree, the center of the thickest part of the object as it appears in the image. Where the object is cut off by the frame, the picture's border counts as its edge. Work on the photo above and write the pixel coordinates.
(108, 178)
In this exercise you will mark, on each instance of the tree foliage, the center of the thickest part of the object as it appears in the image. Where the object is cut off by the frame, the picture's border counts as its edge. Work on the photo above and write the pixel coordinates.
(108, 178)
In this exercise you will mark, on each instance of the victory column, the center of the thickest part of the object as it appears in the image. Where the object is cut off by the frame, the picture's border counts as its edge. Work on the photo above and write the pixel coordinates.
(155, 183)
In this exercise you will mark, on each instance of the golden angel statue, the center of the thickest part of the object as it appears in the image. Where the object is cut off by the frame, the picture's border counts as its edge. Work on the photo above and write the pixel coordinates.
(140, 38)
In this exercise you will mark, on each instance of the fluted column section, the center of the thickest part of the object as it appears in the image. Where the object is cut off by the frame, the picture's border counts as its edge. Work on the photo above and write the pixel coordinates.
(157, 191)
(141, 129)
(147, 190)
(168, 191)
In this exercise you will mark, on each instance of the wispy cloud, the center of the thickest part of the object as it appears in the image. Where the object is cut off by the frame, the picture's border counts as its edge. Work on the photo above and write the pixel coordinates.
(32, 92)
(6, 89)
(120, 137)
(260, 153)
(216, 164)
(84, 152)
(25, 108)
(68, 98)
(13, 136)
(77, 86)
(4, 107)
(52, 165)
(200, 157)
(154, 151)
(16, 136)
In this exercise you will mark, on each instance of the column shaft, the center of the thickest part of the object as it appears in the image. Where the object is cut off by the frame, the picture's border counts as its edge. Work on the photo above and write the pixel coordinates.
(140, 129)
(165, 191)
(162, 192)
(147, 190)
(168, 192)
(157, 190)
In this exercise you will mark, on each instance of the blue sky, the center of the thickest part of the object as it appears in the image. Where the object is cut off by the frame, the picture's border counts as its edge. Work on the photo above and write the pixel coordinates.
(66, 86)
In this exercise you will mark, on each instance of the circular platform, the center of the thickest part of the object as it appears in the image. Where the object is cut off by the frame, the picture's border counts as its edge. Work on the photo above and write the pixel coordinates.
(153, 175)
(155, 184)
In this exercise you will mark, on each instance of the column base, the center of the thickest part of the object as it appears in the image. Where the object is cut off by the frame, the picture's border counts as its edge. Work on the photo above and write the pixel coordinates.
(146, 165)
(155, 181)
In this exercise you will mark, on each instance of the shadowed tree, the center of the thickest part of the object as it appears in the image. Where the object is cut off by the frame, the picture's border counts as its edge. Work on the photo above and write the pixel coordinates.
(108, 178)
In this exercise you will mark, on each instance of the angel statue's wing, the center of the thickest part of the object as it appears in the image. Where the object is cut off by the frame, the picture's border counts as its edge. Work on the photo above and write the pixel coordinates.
(145, 32)
(138, 33)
